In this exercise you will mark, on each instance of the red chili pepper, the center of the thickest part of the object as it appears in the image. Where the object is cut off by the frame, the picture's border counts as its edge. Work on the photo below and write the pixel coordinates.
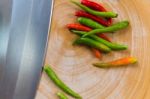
(95, 18)
(78, 27)
(96, 6)
(109, 21)
(104, 37)
(93, 5)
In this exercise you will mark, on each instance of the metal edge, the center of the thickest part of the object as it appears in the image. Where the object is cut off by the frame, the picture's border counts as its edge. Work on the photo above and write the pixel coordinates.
(49, 30)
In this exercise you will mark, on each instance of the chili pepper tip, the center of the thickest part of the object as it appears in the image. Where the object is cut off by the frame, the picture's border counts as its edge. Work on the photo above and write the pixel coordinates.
(116, 14)
(133, 60)
(46, 67)
(62, 95)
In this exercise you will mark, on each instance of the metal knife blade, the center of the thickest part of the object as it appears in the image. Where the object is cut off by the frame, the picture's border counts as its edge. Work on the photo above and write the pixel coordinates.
(24, 26)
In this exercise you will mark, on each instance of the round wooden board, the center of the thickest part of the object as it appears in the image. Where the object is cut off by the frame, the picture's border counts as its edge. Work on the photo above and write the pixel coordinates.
(73, 63)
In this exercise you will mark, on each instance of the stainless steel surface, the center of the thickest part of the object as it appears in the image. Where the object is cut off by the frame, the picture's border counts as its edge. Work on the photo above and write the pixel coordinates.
(24, 28)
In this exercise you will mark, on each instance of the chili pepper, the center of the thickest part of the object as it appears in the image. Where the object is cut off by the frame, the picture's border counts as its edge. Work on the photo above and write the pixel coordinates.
(109, 21)
(113, 46)
(90, 23)
(115, 27)
(96, 6)
(78, 27)
(84, 28)
(96, 13)
(92, 43)
(93, 5)
(62, 95)
(95, 18)
(101, 35)
(97, 53)
(116, 63)
(52, 75)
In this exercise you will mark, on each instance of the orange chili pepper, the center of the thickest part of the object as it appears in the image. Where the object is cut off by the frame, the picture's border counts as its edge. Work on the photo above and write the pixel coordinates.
(120, 62)
(97, 53)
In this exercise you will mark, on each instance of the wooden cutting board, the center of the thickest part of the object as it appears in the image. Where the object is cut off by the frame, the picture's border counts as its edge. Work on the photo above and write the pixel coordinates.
(73, 63)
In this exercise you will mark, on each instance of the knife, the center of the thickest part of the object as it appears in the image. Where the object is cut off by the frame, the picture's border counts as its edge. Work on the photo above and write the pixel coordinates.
(24, 26)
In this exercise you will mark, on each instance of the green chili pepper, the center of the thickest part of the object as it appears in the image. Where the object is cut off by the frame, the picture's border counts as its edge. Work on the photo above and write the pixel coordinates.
(96, 13)
(92, 43)
(90, 23)
(113, 46)
(115, 27)
(62, 95)
(52, 75)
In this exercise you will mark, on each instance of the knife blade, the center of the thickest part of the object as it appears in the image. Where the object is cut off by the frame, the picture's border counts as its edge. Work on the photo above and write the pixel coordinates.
(24, 26)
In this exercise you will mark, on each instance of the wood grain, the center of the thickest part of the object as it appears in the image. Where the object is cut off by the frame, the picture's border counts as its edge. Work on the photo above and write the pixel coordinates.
(73, 63)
